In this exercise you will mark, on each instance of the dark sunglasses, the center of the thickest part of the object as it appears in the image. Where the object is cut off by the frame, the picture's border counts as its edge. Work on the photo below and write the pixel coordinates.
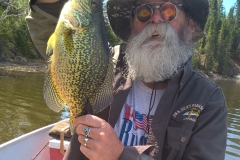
(168, 11)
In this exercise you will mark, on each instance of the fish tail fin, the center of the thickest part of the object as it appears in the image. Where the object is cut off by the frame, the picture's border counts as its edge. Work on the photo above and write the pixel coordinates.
(51, 96)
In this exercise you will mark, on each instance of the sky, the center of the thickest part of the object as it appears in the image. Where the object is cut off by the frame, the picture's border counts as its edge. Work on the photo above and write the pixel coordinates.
(228, 4)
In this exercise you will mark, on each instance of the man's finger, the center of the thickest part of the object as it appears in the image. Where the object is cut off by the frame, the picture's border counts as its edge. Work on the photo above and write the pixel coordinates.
(89, 120)
(86, 142)
(89, 143)
(94, 133)
(87, 152)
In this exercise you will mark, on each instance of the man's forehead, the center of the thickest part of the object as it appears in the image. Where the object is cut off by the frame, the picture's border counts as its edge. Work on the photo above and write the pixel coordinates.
(156, 1)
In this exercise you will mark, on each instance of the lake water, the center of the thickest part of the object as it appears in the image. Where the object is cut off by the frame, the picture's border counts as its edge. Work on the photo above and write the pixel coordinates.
(22, 108)
(231, 89)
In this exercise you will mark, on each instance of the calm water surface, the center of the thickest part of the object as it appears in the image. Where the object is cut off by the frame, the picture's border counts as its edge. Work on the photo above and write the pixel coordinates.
(22, 108)
(231, 89)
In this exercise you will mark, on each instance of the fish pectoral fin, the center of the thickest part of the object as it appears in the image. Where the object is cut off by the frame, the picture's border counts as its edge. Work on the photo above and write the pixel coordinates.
(50, 45)
(68, 41)
(51, 94)
(80, 28)
(83, 28)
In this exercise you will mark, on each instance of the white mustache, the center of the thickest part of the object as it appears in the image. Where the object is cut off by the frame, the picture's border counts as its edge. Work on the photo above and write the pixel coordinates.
(161, 29)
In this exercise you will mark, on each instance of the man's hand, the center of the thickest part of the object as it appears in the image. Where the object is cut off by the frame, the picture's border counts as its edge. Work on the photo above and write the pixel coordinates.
(103, 143)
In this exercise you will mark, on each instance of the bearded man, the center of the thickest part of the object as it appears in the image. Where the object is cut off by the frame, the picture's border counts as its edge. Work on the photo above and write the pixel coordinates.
(162, 108)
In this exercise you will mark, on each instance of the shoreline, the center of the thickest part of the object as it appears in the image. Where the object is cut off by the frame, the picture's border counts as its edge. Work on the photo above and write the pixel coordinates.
(35, 67)
(41, 67)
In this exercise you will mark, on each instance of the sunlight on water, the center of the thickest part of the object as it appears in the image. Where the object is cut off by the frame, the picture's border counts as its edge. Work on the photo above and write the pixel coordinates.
(231, 89)
(22, 108)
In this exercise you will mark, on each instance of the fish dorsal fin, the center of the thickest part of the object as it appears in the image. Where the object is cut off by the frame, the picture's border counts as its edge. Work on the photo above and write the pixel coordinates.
(50, 45)
(51, 95)
(104, 95)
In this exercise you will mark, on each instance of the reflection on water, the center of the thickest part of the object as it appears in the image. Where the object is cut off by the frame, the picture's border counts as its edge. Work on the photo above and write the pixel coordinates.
(231, 89)
(22, 108)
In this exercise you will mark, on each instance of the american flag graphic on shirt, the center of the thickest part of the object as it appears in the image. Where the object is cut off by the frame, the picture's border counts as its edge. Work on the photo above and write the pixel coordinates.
(140, 121)
(134, 128)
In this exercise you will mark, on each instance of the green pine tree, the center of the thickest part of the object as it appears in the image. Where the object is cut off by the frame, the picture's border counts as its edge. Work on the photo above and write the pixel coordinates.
(212, 37)
(236, 34)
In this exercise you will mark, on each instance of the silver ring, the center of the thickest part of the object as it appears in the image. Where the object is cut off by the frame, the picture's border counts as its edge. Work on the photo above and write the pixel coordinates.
(87, 131)
(85, 142)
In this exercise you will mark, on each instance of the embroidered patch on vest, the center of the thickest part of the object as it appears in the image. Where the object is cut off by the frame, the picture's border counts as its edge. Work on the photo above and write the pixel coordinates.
(190, 112)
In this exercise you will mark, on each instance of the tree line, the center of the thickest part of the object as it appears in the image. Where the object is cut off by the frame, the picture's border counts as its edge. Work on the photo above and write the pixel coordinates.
(15, 40)
(217, 52)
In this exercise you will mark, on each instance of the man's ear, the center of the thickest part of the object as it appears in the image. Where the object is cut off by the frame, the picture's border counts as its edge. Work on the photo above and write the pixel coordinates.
(191, 24)
(190, 28)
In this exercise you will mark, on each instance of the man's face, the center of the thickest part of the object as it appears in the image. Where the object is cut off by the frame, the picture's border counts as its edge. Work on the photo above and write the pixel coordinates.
(158, 49)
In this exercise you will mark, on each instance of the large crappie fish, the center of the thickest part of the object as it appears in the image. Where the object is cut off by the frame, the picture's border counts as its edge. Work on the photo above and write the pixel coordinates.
(80, 68)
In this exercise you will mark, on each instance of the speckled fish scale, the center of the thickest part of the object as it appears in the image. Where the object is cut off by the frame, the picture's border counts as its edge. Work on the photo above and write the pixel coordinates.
(80, 67)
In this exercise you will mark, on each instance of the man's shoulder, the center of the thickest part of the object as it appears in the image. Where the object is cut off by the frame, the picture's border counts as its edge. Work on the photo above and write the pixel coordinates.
(201, 79)
(198, 86)
(207, 88)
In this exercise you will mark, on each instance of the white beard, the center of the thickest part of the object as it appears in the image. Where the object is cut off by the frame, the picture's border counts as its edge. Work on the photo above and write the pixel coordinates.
(154, 60)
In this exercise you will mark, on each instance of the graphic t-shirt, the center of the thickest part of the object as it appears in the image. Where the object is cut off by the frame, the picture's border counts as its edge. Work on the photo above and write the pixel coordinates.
(132, 125)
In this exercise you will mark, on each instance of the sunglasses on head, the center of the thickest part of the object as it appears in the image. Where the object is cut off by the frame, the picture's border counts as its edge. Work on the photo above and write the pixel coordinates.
(168, 11)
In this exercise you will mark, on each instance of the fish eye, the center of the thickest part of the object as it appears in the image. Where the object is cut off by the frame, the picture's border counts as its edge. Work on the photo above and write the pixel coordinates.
(94, 3)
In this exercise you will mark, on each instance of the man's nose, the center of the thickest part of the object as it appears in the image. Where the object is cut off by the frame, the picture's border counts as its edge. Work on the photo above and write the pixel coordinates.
(156, 17)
